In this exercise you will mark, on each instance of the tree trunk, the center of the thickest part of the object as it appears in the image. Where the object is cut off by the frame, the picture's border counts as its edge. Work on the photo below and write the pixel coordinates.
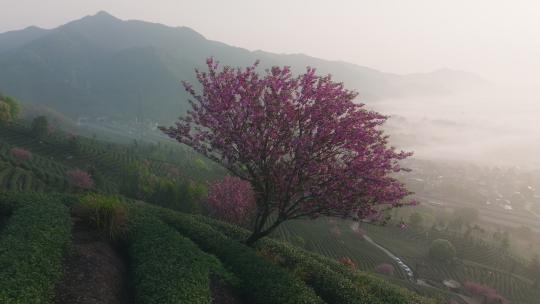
(259, 233)
(253, 238)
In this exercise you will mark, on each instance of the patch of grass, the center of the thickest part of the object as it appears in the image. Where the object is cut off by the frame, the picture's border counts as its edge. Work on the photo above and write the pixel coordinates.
(106, 213)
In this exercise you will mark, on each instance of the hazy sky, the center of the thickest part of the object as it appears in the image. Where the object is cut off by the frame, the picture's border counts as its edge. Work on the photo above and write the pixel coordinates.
(498, 39)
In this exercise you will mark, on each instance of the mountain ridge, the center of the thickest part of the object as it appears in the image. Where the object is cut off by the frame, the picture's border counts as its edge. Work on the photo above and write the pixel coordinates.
(69, 68)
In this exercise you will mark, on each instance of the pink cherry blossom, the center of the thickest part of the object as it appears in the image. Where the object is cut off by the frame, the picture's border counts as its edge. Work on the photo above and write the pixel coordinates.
(490, 294)
(21, 154)
(232, 200)
(80, 179)
(349, 263)
(301, 142)
(385, 268)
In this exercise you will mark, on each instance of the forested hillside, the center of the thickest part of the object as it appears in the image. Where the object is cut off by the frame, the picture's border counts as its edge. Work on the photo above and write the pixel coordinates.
(101, 66)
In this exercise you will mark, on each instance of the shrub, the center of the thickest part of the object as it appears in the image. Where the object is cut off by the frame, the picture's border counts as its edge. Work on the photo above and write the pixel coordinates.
(167, 267)
(40, 127)
(329, 285)
(31, 248)
(374, 289)
(491, 295)
(139, 182)
(14, 106)
(107, 214)
(442, 250)
(9, 109)
(232, 200)
(20, 154)
(385, 269)
(261, 282)
(335, 231)
(347, 261)
(80, 179)
(416, 220)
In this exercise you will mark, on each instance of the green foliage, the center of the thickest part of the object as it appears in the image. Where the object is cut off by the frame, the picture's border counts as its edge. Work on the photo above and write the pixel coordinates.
(31, 248)
(9, 109)
(167, 267)
(201, 165)
(107, 214)
(416, 220)
(261, 282)
(442, 250)
(534, 269)
(5, 112)
(463, 216)
(40, 127)
(75, 145)
(333, 281)
(14, 107)
(331, 286)
(177, 194)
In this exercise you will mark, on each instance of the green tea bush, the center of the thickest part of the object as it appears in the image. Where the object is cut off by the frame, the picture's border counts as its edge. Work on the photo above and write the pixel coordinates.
(261, 282)
(331, 279)
(31, 248)
(168, 268)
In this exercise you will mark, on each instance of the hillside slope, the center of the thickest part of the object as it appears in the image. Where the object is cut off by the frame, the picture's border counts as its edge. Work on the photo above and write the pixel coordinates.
(103, 66)
(174, 258)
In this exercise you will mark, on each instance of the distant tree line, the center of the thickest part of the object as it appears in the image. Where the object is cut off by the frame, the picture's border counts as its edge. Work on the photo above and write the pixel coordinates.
(9, 109)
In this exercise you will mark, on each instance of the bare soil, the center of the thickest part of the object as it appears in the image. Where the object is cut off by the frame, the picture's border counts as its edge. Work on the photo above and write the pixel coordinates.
(95, 272)
(3, 220)
(223, 294)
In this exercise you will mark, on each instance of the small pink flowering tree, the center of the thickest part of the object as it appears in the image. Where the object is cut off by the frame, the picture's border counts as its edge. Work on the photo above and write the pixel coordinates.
(232, 200)
(490, 295)
(349, 263)
(335, 231)
(301, 142)
(21, 154)
(80, 179)
(385, 268)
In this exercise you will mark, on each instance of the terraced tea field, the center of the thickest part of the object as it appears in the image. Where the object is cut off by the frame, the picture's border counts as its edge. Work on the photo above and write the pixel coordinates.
(17, 179)
(174, 258)
(336, 240)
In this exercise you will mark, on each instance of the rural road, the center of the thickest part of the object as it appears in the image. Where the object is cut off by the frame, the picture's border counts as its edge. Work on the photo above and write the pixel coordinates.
(355, 227)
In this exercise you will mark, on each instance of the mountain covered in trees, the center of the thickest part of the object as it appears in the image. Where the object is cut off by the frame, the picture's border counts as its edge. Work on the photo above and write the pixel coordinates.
(103, 66)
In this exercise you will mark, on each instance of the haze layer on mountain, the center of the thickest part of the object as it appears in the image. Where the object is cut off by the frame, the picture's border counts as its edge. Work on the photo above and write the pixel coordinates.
(103, 67)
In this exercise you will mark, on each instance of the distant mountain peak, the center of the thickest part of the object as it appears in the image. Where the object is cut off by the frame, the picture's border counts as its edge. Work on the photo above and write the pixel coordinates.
(99, 17)
(104, 14)
(33, 28)
(101, 20)
(95, 66)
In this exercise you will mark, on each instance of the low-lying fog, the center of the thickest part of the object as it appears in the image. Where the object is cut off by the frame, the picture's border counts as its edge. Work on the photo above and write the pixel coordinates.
(494, 127)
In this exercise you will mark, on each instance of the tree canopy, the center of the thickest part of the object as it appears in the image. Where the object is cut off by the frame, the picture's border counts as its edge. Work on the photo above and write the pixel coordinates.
(416, 220)
(40, 127)
(442, 250)
(301, 142)
(9, 109)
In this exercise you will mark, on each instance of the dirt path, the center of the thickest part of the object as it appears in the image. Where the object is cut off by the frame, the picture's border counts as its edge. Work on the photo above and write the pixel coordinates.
(94, 273)
(3, 220)
(223, 294)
